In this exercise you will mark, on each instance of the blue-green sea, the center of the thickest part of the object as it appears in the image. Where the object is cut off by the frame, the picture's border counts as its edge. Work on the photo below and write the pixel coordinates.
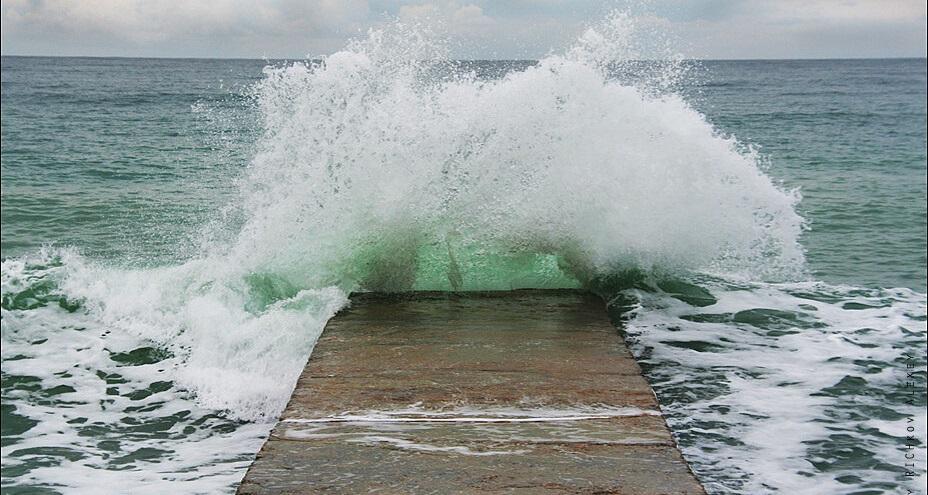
(176, 233)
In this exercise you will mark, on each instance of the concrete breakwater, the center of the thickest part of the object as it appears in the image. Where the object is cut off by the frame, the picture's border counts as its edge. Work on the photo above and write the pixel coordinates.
(527, 391)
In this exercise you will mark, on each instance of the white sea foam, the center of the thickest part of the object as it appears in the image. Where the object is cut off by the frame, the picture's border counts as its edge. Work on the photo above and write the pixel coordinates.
(774, 379)
(415, 413)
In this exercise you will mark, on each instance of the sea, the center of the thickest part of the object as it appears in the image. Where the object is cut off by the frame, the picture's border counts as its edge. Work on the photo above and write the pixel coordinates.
(177, 232)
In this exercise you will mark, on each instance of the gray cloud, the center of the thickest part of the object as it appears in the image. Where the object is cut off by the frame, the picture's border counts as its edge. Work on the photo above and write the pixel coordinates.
(479, 29)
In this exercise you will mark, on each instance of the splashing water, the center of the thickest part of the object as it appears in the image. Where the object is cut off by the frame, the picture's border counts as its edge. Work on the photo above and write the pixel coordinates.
(550, 176)
(385, 166)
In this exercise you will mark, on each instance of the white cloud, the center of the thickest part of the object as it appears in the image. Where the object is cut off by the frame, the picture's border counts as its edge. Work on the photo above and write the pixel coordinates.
(480, 28)
(165, 18)
(471, 16)
(418, 12)
(809, 29)
(141, 23)
(839, 11)
(459, 19)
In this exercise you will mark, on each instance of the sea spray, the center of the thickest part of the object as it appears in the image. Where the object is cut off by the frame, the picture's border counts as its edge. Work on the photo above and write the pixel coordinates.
(549, 176)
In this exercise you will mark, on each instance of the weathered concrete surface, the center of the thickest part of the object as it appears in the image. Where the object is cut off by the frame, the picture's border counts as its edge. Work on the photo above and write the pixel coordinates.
(506, 392)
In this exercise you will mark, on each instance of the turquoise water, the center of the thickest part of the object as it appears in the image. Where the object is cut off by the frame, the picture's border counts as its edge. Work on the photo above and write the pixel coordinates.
(177, 232)
(119, 157)
(851, 135)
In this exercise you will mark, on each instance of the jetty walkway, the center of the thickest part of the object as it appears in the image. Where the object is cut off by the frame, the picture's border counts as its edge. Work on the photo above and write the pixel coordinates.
(527, 391)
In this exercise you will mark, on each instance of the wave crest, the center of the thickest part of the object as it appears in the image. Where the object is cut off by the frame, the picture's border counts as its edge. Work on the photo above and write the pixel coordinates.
(386, 168)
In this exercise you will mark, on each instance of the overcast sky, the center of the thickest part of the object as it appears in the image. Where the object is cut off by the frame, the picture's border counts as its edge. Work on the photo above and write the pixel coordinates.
(481, 29)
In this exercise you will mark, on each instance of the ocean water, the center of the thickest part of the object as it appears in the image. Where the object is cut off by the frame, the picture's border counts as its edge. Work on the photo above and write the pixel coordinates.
(176, 233)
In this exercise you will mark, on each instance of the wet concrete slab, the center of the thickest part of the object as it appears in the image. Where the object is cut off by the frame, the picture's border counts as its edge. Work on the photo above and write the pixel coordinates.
(507, 392)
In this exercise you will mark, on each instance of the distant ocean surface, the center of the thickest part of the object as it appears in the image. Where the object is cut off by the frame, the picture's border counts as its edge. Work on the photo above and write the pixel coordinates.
(175, 233)
(123, 158)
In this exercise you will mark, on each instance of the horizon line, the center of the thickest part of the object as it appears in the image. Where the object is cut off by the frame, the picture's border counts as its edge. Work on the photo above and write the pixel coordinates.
(268, 59)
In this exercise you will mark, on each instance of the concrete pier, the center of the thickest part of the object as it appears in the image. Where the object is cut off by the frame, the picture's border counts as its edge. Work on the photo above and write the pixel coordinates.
(528, 391)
